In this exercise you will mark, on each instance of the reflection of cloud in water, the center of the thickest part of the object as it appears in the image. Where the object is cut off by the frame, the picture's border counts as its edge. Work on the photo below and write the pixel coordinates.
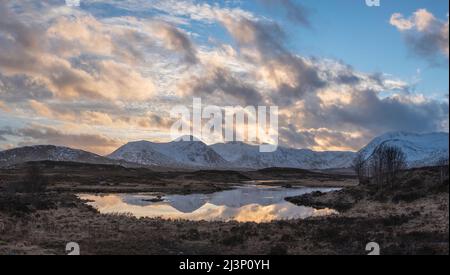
(242, 204)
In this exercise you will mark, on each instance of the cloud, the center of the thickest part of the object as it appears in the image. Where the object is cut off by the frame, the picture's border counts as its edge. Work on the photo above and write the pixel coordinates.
(24, 35)
(296, 12)
(18, 88)
(48, 53)
(351, 125)
(426, 35)
(113, 76)
(258, 40)
(364, 110)
(198, 11)
(220, 83)
(289, 75)
(175, 39)
(290, 78)
(3, 107)
(322, 139)
(402, 24)
(3, 133)
(39, 134)
(395, 113)
(113, 117)
(155, 121)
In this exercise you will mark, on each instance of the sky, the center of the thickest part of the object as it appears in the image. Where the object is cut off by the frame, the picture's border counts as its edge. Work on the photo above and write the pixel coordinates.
(107, 72)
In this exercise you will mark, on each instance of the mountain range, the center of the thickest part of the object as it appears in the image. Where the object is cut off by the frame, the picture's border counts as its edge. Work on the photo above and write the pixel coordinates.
(173, 154)
(420, 149)
(51, 153)
(248, 156)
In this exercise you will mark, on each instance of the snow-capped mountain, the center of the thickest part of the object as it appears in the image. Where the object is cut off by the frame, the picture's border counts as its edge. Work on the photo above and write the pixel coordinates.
(142, 152)
(51, 153)
(248, 156)
(173, 154)
(420, 149)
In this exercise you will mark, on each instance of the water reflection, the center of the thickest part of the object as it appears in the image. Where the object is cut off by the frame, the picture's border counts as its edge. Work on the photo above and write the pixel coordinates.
(243, 204)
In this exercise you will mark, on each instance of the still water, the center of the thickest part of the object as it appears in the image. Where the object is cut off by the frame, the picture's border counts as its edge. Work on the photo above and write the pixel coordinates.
(243, 204)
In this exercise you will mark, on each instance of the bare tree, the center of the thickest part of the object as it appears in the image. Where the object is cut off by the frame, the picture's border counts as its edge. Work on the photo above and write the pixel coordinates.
(376, 166)
(395, 161)
(444, 169)
(359, 165)
(385, 164)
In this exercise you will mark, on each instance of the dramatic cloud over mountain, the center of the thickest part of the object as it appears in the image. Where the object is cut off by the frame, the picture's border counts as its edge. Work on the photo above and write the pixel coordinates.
(109, 72)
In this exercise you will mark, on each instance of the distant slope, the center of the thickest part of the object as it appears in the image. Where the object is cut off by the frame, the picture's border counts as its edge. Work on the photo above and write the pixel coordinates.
(420, 149)
(248, 156)
(172, 154)
(50, 153)
(142, 152)
(235, 155)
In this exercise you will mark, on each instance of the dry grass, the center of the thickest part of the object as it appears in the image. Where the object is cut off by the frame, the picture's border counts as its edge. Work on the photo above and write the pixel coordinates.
(407, 227)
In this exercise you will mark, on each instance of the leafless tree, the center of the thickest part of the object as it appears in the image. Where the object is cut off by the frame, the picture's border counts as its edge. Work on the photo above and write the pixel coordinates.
(386, 163)
(376, 167)
(395, 161)
(359, 165)
(444, 169)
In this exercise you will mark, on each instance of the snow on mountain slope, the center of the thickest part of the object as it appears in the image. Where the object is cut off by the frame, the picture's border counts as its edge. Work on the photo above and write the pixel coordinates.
(248, 156)
(176, 153)
(193, 153)
(233, 151)
(49, 152)
(420, 149)
(142, 152)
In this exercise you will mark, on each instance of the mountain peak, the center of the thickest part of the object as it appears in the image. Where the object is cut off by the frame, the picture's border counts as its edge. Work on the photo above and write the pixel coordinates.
(421, 149)
(187, 138)
(139, 142)
(186, 151)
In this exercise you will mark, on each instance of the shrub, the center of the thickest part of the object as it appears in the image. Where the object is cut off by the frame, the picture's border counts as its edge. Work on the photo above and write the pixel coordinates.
(33, 182)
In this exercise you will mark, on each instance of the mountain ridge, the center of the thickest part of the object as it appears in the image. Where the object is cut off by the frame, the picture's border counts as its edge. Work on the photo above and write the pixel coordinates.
(175, 153)
(421, 149)
(50, 152)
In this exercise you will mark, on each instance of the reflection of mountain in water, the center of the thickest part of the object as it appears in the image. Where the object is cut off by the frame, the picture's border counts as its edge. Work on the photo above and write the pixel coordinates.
(244, 204)
(187, 203)
(236, 198)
